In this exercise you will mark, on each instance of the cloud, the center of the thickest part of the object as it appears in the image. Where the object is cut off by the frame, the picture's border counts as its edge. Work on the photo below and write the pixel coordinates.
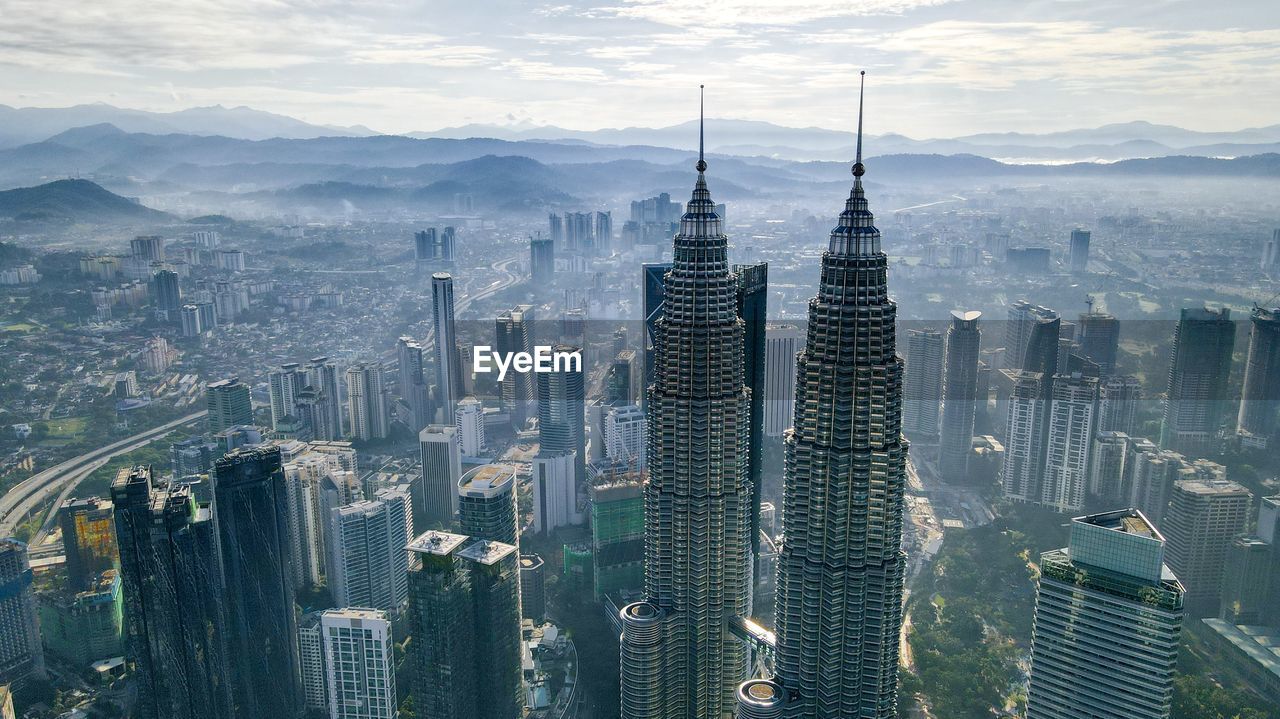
(729, 13)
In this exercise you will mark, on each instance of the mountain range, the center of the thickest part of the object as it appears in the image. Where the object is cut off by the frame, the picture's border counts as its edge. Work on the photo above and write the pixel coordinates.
(70, 201)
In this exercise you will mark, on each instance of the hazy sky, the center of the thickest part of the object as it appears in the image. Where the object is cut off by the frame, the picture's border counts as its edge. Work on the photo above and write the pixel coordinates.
(936, 68)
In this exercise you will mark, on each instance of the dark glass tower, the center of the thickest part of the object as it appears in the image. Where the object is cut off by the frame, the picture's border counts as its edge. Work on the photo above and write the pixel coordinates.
(753, 305)
(561, 414)
(678, 658)
(959, 396)
(841, 568)
(173, 599)
(1196, 400)
(251, 511)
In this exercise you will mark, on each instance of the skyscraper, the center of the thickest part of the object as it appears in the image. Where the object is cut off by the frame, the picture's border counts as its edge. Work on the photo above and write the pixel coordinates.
(441, 470)
(359, 660)
(604, 233)
(487, 503)
(88, 540)
(367, 564)
(678, 658)
(315, 692)
(464, 614)
(1079, 251)
(1023, 469)
(514, 333)
(959, 397)
(1072, 418)
(1107, 623)
(753, 301)
(470, 424)
(1100, 340)
(562, 404)
(1118, 397)
(284, 385)
(923, 391)
(1197, 394)
(1023, 319)
(367, 402)
(175, 630)
(1259, 418)
(251, 512)
(228, 403)
(841, 567)
(1271, 255)
(322, 374)
(166, 294)
(414, 390)
(533, 590)
(1204, 516)
(449, 387)
(21, 654)
(653, 275)
(555, 496)
(542, 260)
(782, 342)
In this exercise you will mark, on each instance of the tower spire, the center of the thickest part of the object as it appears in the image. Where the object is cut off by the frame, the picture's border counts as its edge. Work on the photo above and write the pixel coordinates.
(858, 168)
(702, 162)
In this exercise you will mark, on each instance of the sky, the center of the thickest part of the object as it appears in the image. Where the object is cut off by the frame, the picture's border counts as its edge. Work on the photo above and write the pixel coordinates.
(936, 68)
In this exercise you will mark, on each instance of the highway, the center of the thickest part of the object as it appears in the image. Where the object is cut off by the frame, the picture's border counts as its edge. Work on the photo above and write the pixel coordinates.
(59, 480)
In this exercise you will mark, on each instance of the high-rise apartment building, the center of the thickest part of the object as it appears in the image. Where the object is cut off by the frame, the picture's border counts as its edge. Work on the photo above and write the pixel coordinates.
(359, 660)
(284, 384)
(21, 654)
(367, 414)
(1196, 399)
(441, 471)
(414, 390)
(1118, 398)
(315, 692)
(322, 374)
(562, 406)
(1204, 516)
(678, 658)
(229, 404)
(1107, 623)
(959, 396)
(1072, 417)
(922, 394)
(174, 601)
(470, 422)
(1100, 340)
(88, 540)
(449, 387)
(542, 260)
(1024, 460)
(251, 514)
(367, 564)
(604, 234)
(1259, 419)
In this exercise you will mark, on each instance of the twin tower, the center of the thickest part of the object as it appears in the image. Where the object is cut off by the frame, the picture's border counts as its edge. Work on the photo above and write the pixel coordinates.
(841, 566)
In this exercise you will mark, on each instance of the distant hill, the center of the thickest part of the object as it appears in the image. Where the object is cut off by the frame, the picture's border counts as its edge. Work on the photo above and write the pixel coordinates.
(20, 126)
(73, 201)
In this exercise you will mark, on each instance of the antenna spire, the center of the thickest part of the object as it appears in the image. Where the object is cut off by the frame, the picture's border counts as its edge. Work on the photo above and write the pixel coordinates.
(858, 168)
(702, 162)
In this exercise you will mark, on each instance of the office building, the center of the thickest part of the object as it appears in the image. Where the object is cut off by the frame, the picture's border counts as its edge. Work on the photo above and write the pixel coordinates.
(841, 568)
(653, 278)
(487, 503)
(145, 249)
(674, 661)
(415, 393)
(174, 601)
(617, 533)
(368, 566)
(441, 471)
(959, 396)
(533, 589)
(623, 433)
(359, 659)
(1149, 474)
(367, 402)
(1108, 620)
(1100, 340)
(922, 395)
(166, 294)
(21, 654)
(562, 413)
(1259, 419)
(1196, 399)
(753, 299)
(88, 540)
(514, 332)
(470, 422)
(1248, 578)
(782, 342)
(449, 387)
(1204, 516)
(251, 513)
(1079, 257)
(464, 612)
(626, 379)
(229, 404)
(1023, 318)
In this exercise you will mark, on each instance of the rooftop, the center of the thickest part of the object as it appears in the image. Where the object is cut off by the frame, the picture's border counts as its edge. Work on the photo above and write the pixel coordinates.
(486, 552)
(437, 543)
(488, 479)
(1129, 521)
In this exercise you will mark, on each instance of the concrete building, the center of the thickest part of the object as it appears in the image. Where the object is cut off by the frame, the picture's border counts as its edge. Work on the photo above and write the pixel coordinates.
(367, 414)
(437, 502)
(21, 654)
(367, 564)
(360, 666)
(470, 423)
(1204, 517)
(781, 344)
(229, 404)
(922, 395)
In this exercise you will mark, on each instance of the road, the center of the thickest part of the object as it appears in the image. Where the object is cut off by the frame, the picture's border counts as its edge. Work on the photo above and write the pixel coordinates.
(39, 489)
